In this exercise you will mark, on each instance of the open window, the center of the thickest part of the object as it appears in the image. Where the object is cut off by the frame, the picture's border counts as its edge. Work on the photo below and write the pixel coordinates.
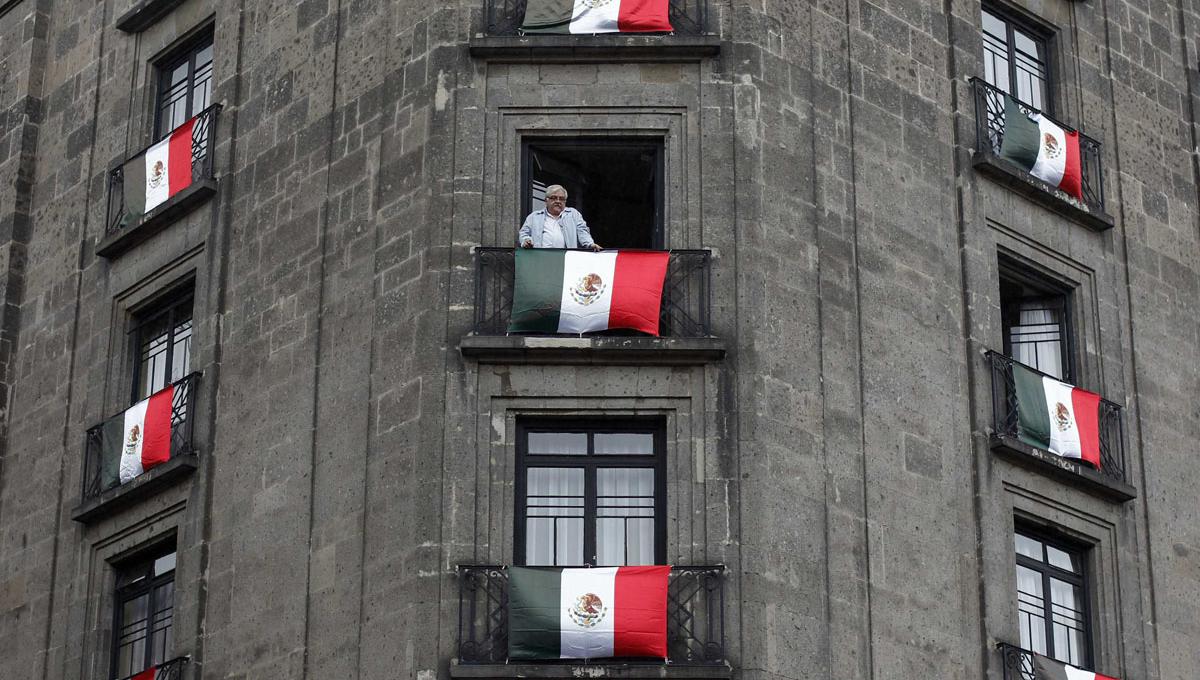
(143, 615)
(160, 340)
(185, 79)
(1016, 56)
(616, 183)
(1036, 315)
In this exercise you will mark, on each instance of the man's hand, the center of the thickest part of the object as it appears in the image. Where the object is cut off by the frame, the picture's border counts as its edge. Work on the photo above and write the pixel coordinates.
(527, 243)
(596, 247)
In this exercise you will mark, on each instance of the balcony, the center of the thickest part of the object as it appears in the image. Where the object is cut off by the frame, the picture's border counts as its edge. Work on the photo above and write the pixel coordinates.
(1019, 664)
(167, 670)
(695, 629)
(124, 228)
(103, 492)
(685, 320)
(1109, 481)
(504, 40)
(989, 136)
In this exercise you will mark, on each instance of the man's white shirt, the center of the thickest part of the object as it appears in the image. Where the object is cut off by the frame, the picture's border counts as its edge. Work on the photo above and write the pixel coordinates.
(552, 234)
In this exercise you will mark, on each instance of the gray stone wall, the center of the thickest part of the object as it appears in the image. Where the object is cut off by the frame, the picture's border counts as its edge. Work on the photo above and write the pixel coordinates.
(837, 460)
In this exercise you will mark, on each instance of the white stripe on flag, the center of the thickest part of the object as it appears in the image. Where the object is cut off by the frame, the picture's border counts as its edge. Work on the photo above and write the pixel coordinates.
(158, 185)
(131, 453)
(585, 301)
(1064, 431)
(1076, 674)
(1051, 164)
(591, 16)
(594, 641)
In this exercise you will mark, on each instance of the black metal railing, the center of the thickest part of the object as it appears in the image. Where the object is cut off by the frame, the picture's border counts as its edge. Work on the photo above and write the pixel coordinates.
(95, 464)
(167, 670)
(695, 615)
(504, 17)
(203, 141)
(1018, 663)
(989, 136)
(686, 301)
(1006, 416)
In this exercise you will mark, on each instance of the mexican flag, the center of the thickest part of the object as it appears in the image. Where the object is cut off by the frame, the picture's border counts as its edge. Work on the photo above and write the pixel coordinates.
(596, 16)
(162, 171)
(1058, 417)
(563, 613)
(147, 674)
(573, 291)
(1042, 148)
(1048, 669)
(138, 439)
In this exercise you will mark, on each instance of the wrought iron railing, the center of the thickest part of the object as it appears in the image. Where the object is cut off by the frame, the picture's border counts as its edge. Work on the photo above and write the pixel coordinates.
(504, 17)
(1006, 416)
(1018, 663)
(686, 301)
(183, 407)
(695, 615)
(203, 141)
(989, 136)
(167, 670)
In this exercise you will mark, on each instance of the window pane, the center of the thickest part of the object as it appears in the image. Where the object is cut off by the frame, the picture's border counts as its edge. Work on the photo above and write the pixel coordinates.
(1031, 609)
(569, 542)
(164, 564)
(1024, 43)
(994, 26)
(624, 510)
(554, 516)
(1028, 547)
(558, 443)
(1067, 609)
(1037, 338)
(624, 443)
(1063, 559)
(164, 599)
(639, 540)
(132, 634)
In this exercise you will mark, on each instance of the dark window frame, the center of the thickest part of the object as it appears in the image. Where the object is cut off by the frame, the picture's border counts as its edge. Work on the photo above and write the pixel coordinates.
(1047, 571)
(1056, 293)
(169, 303)
(591, 463)
(656, 143)
(1037, 30)
(185, 53)
(146, 584)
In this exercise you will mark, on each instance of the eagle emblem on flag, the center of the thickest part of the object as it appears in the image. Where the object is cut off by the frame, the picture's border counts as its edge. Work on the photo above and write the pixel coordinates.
(157, 175)
(588, 610)
(1052, 147)
(593, 4)
(1062, 417)
(589, 289)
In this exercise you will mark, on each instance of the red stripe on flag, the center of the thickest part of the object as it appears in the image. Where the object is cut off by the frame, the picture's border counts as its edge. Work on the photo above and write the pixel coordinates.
(1104, 677)
(643, 16)
(147, 674)
(1072, 179)
(637, 290)
(156, 440)
(179, 158)
(640, 612)
(1087, 419)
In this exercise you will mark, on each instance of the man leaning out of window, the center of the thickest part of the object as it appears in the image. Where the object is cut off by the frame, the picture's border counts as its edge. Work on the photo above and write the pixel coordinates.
(557, 226)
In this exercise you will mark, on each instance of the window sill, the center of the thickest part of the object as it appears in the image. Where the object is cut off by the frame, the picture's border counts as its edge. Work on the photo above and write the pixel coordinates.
(593, 48)
(157, 220)
(1005, 172)
(1064, 469)
(144, 14)
(591, 671)
(109, 502)
(523, 349)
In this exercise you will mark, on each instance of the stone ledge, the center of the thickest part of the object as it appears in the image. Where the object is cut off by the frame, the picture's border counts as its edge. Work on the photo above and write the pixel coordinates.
(1009, 174)
(1063, 469)
(603, 350)
(592, 671)
(144, 14)
(160, 218)
(144, 485)
(593, 48)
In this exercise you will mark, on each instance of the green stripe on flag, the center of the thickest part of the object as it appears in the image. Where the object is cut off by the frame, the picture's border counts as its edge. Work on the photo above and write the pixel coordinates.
(134, 189)
(112, 443)
(534, 604)
(1022, 136)
(548, 16)
(537, 293)
(1031, 407)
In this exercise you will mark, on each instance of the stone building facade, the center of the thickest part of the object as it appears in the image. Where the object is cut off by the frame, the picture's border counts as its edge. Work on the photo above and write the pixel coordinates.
(830, 435)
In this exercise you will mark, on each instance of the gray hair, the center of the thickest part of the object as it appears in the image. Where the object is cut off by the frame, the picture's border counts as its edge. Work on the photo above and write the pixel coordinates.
(555, 188)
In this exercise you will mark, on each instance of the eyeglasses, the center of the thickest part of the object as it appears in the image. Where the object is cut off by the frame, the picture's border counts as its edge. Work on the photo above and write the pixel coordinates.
(556, 198)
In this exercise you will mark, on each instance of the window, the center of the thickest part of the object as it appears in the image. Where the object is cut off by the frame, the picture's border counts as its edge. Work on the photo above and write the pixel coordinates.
(1052, 601)
(1036, 315)
(590, 492)
(143, 613)
(616, 183)
(161, 342)
(1016, 58)
(184, 85)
